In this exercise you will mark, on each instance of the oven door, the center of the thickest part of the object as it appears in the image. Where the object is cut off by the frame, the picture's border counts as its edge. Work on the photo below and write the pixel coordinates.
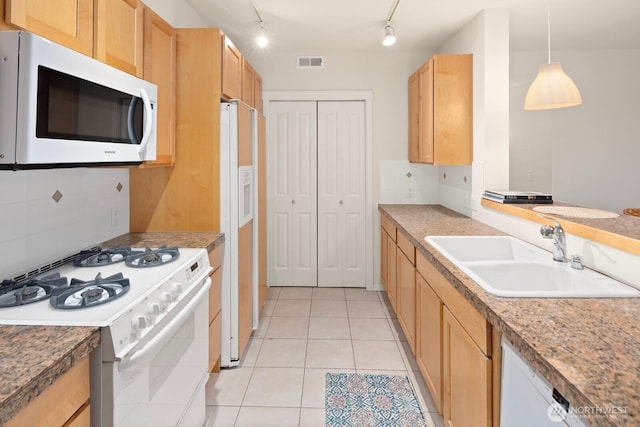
(162, 384)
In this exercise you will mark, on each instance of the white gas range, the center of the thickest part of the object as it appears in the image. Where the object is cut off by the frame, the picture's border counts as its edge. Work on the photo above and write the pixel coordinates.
(151, 366)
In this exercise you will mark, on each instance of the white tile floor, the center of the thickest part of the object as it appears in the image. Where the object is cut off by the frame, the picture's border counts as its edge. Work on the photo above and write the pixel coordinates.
(305, 333)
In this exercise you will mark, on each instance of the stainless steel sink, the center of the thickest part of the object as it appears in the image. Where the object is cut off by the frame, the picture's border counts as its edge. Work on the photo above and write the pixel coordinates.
(509, 267)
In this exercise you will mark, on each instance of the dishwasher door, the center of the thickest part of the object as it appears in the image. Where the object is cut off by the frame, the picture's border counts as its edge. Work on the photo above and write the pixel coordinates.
(527, 400)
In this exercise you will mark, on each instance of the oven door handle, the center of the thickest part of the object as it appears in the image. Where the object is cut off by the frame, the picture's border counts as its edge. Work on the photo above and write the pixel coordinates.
(156, 343)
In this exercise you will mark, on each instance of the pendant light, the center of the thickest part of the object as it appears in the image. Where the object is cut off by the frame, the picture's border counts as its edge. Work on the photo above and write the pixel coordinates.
(552, 87)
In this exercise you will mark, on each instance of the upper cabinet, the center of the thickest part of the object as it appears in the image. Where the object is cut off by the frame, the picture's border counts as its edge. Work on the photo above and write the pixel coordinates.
(67, 22)
(248, 78)
(231, 70)
(441, 111)
(160, 68)
(119, 34)
(239, 79)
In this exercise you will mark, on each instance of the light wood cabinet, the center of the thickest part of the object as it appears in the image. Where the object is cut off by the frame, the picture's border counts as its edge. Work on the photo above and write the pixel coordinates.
(406, 289)
(467, 377)
(160, 68)
(231, 70)
(388, 258)
(65, 402)
(248, 83)
(67, 22)
(119, 34)
(429, 338)
(215, 305)
(257, 92)
(187, 196)
(441, 111)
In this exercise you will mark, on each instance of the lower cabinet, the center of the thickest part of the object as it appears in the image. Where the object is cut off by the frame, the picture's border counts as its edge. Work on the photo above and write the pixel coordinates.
(452, 341)
(467, 377)
(65, 402)
(215, 305)
(429, 338)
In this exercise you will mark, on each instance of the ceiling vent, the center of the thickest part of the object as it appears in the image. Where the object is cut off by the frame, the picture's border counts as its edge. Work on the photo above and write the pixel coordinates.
(310, 61)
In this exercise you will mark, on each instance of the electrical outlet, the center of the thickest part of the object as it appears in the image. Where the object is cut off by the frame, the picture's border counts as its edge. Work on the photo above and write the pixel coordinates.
(115, 220)
(410, 193)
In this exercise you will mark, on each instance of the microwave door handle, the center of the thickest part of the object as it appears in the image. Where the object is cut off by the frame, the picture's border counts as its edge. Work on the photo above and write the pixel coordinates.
(148, 112)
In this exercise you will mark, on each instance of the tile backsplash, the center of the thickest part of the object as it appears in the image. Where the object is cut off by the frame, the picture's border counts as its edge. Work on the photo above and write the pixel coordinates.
(49, 214)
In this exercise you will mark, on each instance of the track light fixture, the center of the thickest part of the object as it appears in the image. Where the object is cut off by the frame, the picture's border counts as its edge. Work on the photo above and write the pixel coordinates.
(389, 36)
(261, 39)
(388, 32)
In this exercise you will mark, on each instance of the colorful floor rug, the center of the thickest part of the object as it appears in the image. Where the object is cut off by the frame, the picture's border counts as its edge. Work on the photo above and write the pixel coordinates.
(356, 400)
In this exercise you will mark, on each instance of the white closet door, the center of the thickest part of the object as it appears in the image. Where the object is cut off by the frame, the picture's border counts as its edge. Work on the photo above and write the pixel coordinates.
(293, 162)
(341, 194)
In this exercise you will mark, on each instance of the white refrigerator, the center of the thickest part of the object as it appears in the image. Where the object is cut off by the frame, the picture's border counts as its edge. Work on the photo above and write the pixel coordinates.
(238, 222)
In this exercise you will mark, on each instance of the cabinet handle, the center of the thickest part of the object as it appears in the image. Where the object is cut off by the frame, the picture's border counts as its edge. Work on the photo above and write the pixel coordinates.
(293, 202)
(341, 202)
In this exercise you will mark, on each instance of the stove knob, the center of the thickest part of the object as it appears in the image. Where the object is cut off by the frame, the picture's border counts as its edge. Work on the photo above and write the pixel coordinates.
(139, 322)
(176, 290)
(153, 310)
(166, 299)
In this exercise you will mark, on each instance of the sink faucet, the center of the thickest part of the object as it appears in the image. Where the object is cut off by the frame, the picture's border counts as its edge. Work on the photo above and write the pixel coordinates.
(559, 238)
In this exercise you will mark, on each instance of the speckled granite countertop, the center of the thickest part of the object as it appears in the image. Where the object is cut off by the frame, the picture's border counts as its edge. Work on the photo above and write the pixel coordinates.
(33, 357)
(589, 349)
(185, 239)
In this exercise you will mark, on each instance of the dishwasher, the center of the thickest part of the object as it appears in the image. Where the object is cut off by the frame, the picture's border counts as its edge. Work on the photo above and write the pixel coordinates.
(527, 399)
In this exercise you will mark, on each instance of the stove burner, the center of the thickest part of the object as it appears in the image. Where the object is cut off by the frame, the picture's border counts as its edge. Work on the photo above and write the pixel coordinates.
(152, 257)
(82, 294)
(31, 290)
(99, 257)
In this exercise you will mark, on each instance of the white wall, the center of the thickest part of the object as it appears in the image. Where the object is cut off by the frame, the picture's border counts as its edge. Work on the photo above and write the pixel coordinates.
(178, 13)
(586, 155)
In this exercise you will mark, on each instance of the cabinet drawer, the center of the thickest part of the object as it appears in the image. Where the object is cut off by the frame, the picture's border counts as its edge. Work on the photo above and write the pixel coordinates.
(478, 328)
(388, 227)
(215, 257)
(407, 247)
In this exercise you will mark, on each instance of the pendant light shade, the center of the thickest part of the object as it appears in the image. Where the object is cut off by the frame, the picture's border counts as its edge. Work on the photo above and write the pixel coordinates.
(552, 87)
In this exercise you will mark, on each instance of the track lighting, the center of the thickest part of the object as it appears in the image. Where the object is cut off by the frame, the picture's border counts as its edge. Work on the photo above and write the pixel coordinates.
(388, 32)
(262, 39)
(389, 36)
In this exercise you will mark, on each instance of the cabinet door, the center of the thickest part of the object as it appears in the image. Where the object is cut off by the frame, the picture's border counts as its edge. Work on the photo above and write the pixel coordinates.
(429, 338)
(119, 34)
(257, 92)
(231, 70)
(406, 298)
(248, 77)
(414, 117)
(391, 272)
(384, 262)
(160, 68)
(67, 22)
(467, 377)
(426, 128)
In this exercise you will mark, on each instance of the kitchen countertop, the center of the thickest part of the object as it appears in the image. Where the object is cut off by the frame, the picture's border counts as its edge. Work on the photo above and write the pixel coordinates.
(588, 348)
(33, 357)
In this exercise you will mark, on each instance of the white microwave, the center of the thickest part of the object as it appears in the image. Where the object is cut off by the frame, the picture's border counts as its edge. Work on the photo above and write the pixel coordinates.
(60, 108)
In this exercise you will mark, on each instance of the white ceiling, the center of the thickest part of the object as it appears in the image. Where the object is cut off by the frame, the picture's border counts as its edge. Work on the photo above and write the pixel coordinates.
(308, 26)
